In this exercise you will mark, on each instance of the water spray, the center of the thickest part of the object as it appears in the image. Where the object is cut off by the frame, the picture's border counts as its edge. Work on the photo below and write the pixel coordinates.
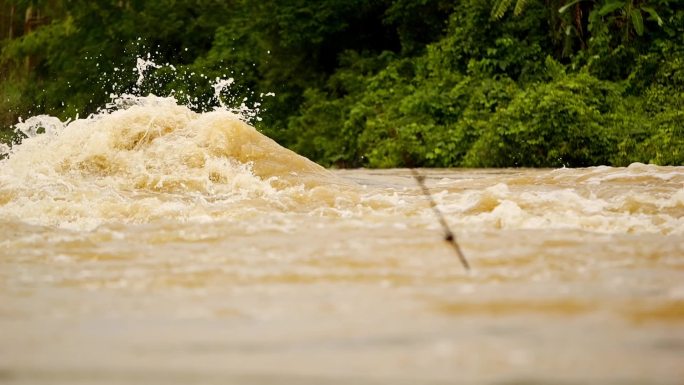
(448, 234)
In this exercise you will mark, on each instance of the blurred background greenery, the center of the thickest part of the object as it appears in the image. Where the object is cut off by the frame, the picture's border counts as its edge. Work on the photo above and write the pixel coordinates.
(376, 83)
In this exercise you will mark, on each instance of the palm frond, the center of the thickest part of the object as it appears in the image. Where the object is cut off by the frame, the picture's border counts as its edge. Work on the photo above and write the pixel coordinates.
(500, 7)
(519, 7)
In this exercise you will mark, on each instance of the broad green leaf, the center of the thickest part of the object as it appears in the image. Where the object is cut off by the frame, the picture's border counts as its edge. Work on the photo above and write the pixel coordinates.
(654, 15)
(611, 7)
(568, 5)
(638, 21)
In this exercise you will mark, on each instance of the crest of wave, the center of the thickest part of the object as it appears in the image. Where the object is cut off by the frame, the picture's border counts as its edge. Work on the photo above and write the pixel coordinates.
(147, 158)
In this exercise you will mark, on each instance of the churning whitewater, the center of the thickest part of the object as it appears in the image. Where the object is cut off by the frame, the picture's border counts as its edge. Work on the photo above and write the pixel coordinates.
(151, 159)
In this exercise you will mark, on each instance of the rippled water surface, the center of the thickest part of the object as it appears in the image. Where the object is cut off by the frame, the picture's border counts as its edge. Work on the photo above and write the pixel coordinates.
(155, 245)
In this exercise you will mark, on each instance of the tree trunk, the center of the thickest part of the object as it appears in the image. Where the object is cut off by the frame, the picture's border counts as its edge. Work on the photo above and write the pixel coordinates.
(10, 33)
(31, 20)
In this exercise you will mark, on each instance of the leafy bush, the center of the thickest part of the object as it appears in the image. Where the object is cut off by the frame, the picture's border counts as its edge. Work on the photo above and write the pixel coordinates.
(561, 123)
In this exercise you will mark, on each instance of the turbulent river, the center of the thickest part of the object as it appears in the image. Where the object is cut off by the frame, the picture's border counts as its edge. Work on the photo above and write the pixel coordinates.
(151, 244)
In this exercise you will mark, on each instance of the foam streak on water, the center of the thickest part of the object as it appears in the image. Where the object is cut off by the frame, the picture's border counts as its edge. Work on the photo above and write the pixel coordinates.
(153, 244)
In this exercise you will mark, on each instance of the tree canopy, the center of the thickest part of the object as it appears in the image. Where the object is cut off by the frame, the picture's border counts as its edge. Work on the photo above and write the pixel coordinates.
(378, 83)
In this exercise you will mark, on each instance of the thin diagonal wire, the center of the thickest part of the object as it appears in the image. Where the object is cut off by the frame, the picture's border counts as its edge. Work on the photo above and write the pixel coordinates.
(448, 234)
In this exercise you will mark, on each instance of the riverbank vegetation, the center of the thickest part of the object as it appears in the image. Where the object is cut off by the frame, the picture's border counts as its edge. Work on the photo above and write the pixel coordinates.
(376, 83)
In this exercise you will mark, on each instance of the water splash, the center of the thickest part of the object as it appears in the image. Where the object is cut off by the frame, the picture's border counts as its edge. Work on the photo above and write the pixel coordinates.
(247, 113)
(142, 65)
(219, 86)
(4, 150)
(148, 158)
(40, 124)
(141, 158)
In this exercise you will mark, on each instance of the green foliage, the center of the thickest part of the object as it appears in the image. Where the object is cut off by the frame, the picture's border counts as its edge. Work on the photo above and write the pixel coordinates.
(560, 123)
(666, 143)
(380, 83)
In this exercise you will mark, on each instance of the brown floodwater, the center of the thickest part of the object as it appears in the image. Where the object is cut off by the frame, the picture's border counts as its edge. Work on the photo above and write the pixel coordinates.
(155, 245)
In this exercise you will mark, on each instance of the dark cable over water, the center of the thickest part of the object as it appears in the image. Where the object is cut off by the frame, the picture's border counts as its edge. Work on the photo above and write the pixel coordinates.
(448, 234)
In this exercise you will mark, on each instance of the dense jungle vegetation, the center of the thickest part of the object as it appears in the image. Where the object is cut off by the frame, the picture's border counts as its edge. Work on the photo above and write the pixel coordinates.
(376, 83)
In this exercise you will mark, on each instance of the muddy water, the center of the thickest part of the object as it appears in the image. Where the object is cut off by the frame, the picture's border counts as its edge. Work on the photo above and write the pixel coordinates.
(154, 245)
